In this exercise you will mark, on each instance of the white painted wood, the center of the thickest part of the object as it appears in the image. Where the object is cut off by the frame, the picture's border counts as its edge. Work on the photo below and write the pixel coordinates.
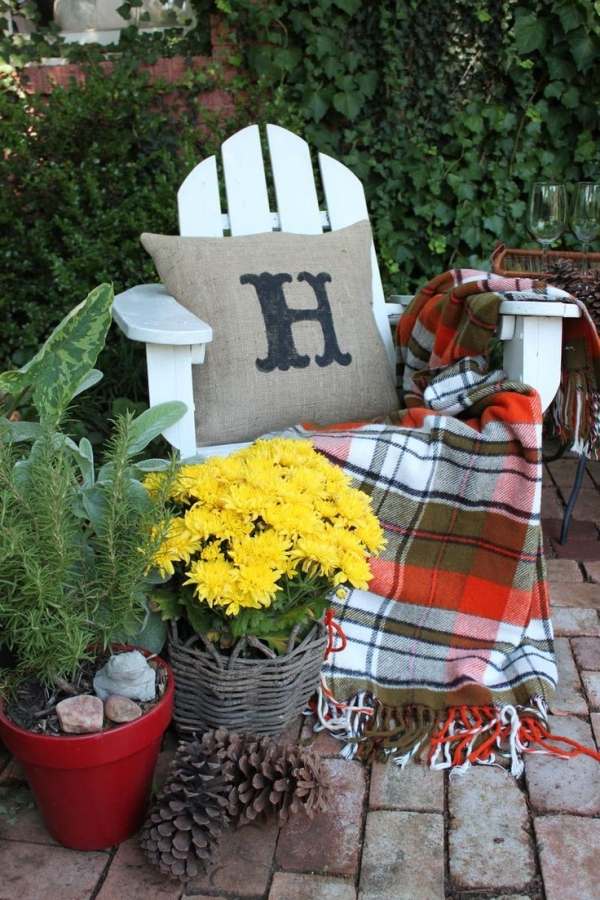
(204, 451)
(346, 204)
(170, 378)
(551, 308)
(149, 314)
(533, 354)
(506, 328)
(198, 203)
(276, 221)
(293, 176)
(245, 182)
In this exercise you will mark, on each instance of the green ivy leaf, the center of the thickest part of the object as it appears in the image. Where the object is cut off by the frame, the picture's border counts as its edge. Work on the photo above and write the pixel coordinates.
(348, 6)
(531, 32)
(570, 16)
(583, 48)
(348, 104)
(317, 106)
(570, 98)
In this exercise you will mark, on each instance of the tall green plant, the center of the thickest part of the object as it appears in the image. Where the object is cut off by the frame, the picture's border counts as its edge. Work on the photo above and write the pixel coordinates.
(77, 542)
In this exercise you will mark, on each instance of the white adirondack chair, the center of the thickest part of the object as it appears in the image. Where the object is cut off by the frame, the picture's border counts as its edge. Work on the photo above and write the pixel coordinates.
(176, 340)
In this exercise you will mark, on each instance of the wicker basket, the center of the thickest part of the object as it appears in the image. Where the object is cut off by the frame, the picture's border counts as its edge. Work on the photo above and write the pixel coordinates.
(262, 696)
(514, 263)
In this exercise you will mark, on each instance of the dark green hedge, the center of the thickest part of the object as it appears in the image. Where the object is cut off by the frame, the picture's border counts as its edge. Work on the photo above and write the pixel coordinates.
(85, 171)
(446, 109)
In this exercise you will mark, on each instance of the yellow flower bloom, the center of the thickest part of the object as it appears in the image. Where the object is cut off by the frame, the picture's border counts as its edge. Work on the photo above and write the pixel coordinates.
(261, 515)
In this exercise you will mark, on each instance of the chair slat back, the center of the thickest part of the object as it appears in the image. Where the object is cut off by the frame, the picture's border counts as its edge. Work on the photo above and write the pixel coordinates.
(298, 211)
(198, 202)
(295, 189)
(245, 182)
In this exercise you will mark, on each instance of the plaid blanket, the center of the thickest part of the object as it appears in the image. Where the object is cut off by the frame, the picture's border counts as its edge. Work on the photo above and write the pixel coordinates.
(451, 648)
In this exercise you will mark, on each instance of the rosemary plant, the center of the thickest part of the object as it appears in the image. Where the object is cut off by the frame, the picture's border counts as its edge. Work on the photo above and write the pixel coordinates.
(77, 545)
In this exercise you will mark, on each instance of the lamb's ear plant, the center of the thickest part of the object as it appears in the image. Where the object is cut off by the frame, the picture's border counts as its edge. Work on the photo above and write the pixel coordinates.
(77, 542)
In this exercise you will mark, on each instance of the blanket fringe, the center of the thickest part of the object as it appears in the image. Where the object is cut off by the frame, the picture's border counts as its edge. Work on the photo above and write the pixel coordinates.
(575, 413)
(456, 739)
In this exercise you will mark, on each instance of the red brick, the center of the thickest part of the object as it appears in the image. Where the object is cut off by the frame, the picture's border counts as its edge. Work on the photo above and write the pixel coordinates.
(243, 862)
(563, 472)
(577, 548)
(568, 622)
(591, 683)
(565, 571)
(595, 720)
(415, 787)
(322, 742)
(569, 696)
(587, 652)
(43, 872)
(288, 886)
(131, 875)
(551, 788)
(330, 843)
(592, 570)
(27, 825)
(569, 857)
(403, 857)
(587, 507)
(582, 596)
(552, 507)
(11, 772)
(577, 529)
(489, 845)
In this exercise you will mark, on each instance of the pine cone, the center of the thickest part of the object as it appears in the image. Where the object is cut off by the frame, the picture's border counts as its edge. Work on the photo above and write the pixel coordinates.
(278, 778)
(582, 283)
(222, 780)
(184, 824)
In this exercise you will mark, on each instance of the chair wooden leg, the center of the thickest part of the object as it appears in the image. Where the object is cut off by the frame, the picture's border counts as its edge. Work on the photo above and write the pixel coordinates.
(579, 475)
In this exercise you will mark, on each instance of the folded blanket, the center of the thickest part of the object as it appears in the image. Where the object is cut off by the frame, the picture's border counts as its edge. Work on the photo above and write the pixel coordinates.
(450, 651)
(455, 316)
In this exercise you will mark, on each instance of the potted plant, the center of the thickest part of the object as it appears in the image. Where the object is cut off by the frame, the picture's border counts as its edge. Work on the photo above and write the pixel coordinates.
(75, 561)
(262, 539)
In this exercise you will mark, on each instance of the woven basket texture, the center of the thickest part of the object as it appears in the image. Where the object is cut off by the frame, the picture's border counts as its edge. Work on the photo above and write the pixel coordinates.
(262, 696)
(515, 263)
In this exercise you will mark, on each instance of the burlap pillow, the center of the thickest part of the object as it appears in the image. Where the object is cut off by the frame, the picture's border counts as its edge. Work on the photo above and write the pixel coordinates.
(295, 339)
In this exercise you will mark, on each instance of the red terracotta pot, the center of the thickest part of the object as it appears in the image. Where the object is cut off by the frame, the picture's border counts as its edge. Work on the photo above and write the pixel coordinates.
(92, 789)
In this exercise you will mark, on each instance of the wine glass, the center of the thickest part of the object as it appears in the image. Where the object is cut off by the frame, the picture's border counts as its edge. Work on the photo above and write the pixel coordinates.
(585, 215)
(547, 214)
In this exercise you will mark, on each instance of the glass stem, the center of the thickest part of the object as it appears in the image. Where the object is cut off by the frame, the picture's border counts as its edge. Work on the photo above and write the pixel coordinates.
(544, 257)
(586, 259)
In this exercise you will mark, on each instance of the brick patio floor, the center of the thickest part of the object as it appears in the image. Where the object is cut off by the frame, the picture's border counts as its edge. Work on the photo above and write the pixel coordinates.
(412, 835)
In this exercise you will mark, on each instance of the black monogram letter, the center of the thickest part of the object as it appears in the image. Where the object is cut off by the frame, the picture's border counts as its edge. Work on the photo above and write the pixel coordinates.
(279, 318)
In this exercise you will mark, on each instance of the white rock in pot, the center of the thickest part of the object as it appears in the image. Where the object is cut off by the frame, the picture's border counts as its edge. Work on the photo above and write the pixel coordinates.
(127, 674)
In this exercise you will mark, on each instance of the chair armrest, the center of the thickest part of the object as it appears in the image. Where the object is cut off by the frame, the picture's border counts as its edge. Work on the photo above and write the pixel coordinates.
(541, 308)
(149, 314)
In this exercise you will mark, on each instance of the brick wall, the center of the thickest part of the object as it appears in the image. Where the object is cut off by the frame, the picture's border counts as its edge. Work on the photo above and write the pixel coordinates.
(44, 78)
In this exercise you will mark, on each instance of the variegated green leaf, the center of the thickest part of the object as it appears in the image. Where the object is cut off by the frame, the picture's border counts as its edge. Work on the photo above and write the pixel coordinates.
(19, 431)
(63, 363)
(92, 378)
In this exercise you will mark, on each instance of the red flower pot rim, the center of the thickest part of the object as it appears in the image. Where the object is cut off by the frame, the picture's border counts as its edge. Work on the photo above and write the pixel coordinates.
(155, 712)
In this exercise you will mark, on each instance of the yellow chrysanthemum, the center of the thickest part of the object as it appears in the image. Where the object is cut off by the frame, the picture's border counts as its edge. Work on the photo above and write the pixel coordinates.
(260, 516)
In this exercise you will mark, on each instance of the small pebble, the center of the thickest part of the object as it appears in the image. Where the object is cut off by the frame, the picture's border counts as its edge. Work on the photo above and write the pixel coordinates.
(121, 709)
(80, 715)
